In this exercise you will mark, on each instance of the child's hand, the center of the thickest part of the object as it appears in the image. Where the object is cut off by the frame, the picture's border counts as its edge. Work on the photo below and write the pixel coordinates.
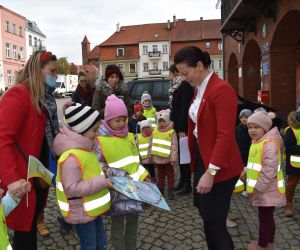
(25, 188)
(148, 179)
(109, 184)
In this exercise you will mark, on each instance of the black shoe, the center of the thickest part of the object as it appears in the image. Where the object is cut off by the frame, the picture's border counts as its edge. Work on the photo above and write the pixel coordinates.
(184, 191)
(171, 194)
(179, 185)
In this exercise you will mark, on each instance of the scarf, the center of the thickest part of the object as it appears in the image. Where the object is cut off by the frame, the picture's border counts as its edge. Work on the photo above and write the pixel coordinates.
(121, 133)
(175, 84)
(86, 94)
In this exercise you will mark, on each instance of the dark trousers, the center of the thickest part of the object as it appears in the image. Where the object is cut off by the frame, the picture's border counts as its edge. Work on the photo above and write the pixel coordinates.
(266, 226)
(213, 208)
(292, 183)
(28, 240)
(165, 170)
(150, 168)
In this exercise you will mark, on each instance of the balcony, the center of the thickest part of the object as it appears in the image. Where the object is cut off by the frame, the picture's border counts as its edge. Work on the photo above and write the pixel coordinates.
(239, 16)
(154, 54)
(154, 72)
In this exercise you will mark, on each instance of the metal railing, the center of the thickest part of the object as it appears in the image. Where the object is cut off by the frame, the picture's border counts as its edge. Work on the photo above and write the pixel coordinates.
(154, 72)
(154, 54)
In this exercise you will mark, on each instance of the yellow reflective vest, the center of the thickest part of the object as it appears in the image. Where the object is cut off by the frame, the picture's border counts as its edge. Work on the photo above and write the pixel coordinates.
(4, 242)
(143, 143)
(254, 167)
(295, 159)
(239, 187)
(150, 114)
(122, 153)
(95, 204)
(161, 143)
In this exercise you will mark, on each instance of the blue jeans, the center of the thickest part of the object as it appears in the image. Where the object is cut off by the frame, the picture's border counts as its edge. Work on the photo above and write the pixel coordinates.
(92, 235)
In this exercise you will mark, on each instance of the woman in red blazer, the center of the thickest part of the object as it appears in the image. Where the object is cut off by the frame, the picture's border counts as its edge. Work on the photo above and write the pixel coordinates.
(216, 161)
(28, 120)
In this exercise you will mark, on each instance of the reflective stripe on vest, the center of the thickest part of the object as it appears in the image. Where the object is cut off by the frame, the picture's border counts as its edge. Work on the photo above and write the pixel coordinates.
(295, 159)
(122, 153)
(4, 242)
(143, 145)
(161, 143)
(95, 204)
(254, 167)
(150, 115)
(239, 186)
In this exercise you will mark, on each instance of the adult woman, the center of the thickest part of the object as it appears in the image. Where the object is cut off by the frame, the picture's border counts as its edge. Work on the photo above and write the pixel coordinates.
(84, 92)
(214, 152)
(28, 124)
(181, 94)
(112, 84)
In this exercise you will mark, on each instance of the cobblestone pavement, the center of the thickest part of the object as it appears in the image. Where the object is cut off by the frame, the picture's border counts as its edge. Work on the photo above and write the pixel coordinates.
(182, 228)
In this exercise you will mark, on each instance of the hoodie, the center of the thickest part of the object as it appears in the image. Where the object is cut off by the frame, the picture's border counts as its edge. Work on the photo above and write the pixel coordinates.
(266, 192)
(71, 175)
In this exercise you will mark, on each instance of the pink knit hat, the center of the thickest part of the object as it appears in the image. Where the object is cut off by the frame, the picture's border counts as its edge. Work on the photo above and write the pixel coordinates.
(114, 107)
(262, 119)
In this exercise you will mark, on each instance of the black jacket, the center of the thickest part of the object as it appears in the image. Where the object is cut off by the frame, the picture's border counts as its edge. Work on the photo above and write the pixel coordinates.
(244, 141)
(291, 148)
(132, 125)
(182, 98)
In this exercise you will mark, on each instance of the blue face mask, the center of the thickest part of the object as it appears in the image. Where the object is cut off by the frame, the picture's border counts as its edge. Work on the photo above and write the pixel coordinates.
(50, 80)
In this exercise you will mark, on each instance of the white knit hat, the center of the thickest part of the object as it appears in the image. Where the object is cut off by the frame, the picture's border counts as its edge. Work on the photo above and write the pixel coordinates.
(145, 96)
(145, 123)
(81, 118)
(163, 114)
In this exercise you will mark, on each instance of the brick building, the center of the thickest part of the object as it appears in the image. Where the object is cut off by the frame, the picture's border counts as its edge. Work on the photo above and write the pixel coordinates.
(262, 50)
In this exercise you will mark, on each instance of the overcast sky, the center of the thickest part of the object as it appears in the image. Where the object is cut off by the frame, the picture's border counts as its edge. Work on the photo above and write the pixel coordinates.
(65, 22)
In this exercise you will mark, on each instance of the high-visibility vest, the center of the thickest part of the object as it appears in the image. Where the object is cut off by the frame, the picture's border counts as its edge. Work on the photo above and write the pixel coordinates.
(122, 153)
(239, 187)
(150, 114)
(95, 204)
(255, 164)
(295, 159)
(161, 143)
(4, 242)
(143, 143)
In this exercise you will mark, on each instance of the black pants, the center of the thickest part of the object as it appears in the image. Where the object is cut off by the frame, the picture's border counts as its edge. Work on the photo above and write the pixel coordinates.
(28, 240)
(150, 168)
(213, 208)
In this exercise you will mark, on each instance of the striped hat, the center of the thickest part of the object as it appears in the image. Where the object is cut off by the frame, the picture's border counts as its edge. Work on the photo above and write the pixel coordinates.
(81, 118)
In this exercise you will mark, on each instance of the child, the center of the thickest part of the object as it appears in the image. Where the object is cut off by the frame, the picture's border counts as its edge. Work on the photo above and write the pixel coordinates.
(265, 182)
(292, 147)
(8, 203)
(164, 151)
(143, 143)
(137, 117)
(117, 151)
(149, 110)
(81, 187)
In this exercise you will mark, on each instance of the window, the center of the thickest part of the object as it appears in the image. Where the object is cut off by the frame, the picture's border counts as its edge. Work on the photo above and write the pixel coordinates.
(155, 66)
(207, 45)
(138, 89)
(145, 67)
(14, 29)
(9, 77)
(220, 64)
(35, 42)
(132, 68)
(22, 53)
(220, 46)
(154, 47)
(165, 48)
(40, 44)
(7, 26)
(160, 91)
(121, 67)
(212, 64)
(15, 54)
(120, 51)
(30, 40)
(145, 49)
(20, 31)
(165, 66)
(7, 50)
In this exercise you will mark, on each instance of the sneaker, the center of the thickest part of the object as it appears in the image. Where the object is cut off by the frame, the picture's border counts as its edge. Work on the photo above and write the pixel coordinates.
(244, 194)
(230, 223)
(64, 226)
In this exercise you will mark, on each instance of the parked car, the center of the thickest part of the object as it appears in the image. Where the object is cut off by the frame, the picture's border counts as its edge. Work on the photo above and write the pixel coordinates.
(65, 85)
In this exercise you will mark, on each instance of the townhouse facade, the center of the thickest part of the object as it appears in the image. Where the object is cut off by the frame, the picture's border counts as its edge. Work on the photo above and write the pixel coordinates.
(35, 38)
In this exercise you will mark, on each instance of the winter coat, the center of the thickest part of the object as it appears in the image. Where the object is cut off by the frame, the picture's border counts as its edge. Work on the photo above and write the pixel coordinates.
(21, 123)
(174, 148)
(120, 204)
(181, 101)
(103, 90)
(71, 175)
(290, 143)
(266, 191)
(84, 95)
(133, 124)
(244, 141)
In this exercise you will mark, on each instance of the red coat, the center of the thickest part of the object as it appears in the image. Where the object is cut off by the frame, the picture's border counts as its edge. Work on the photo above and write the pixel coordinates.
(216, 130)
(20, 122)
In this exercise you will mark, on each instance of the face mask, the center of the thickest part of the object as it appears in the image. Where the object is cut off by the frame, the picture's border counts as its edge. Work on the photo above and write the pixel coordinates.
(50, 80)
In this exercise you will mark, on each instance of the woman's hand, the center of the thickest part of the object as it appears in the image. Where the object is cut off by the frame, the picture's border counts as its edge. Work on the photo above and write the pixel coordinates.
(205, 183)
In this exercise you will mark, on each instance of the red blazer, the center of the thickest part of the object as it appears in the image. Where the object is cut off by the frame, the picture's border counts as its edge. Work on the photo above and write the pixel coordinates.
(19, 122)
(215, 127)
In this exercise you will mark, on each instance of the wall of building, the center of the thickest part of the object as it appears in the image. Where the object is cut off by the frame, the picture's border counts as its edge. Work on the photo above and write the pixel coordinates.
(30, 48)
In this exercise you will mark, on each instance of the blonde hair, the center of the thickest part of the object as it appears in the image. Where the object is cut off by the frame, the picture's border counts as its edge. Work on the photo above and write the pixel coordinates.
(32, 76)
